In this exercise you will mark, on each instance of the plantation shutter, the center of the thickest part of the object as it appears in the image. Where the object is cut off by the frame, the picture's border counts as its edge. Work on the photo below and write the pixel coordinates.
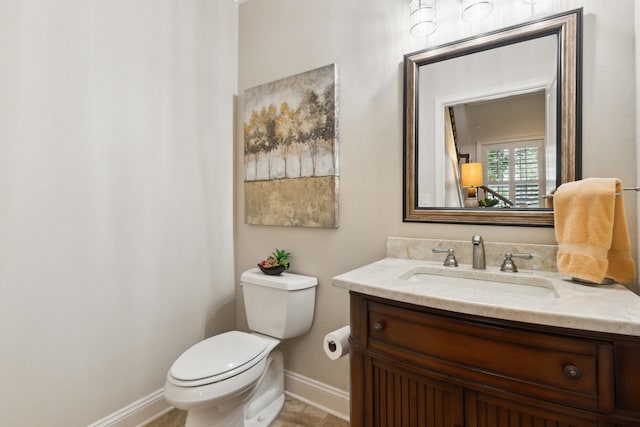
(515, 170)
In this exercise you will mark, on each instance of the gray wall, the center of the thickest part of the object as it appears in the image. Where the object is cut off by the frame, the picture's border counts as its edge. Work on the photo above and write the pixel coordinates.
(367, 39)
(116, 148)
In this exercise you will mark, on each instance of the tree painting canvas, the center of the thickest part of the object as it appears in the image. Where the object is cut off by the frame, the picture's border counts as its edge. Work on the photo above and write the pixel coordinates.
(291, 151)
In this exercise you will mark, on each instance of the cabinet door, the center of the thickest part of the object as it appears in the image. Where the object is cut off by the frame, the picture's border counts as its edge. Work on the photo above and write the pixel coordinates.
(397, 397)
(485, 410)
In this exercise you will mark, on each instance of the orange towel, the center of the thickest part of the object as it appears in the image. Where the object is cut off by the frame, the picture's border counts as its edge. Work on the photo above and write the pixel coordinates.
(591, 230)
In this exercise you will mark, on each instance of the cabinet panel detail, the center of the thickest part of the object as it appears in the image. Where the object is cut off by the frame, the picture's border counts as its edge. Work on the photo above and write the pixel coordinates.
(488, 411)
(402, 398)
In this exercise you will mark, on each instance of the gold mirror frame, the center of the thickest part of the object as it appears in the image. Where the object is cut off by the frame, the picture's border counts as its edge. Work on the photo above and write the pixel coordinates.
(568, 28)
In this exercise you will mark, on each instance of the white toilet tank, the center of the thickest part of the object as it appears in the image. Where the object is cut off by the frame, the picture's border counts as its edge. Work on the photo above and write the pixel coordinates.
(279, 306)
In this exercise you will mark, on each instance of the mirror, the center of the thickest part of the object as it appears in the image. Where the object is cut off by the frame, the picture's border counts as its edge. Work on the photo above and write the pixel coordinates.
(505, 104)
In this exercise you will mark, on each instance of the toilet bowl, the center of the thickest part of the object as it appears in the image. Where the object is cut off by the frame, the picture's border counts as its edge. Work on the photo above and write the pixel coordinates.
(236, 379)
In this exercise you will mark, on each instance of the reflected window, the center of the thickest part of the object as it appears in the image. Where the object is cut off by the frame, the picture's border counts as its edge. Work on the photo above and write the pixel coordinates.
(515, 170)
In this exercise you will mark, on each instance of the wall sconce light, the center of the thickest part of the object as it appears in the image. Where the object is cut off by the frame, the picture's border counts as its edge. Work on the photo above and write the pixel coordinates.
(422, 18)
(475, 10)
(422, 14)
(471, 177)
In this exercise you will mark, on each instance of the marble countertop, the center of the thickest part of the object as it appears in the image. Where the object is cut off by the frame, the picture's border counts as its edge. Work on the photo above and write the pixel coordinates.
(605, 308)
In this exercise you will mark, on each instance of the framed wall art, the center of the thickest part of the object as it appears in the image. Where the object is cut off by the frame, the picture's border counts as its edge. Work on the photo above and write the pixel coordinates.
(291, 151)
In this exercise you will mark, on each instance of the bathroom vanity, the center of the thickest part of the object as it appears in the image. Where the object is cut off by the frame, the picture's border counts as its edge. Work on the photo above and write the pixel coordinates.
(447, 346)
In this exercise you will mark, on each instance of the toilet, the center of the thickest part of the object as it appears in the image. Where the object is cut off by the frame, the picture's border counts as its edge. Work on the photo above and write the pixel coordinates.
(236, 379)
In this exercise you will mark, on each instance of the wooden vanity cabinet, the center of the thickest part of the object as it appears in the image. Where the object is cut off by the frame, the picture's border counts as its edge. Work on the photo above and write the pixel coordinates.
(417, 366)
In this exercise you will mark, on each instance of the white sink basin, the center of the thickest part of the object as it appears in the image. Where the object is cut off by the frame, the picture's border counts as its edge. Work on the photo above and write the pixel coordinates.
(466, 280)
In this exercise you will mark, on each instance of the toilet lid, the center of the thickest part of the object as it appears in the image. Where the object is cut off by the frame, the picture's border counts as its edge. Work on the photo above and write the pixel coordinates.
(217, 355)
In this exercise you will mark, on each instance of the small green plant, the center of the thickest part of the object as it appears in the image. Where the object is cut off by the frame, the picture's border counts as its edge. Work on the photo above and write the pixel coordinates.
(279, 257)
(488, 203)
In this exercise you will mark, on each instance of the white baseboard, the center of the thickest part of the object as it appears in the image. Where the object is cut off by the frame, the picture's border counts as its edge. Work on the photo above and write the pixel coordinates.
(317, 394)
(322, 396)
(138, 413)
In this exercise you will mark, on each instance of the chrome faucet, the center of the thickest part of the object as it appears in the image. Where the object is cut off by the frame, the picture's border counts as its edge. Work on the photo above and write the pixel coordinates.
(478, 252)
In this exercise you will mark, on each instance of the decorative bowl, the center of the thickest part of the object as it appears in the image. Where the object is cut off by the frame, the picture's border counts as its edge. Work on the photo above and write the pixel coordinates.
(272, 271)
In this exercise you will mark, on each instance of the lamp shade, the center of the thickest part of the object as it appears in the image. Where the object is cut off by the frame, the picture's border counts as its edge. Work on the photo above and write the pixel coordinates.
(422, 17)
(471, 174)
(475, 10)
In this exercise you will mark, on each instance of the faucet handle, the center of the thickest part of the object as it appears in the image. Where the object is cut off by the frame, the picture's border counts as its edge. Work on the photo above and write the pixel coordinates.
(508, 265)
(450, 260)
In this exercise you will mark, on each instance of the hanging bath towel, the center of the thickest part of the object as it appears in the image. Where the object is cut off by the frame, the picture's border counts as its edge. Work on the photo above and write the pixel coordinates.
(591, 230)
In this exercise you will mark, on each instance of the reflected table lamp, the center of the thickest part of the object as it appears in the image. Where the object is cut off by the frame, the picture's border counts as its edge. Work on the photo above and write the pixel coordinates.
(471, 178)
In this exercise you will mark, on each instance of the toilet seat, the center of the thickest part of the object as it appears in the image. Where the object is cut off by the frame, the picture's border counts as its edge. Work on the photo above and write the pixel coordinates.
(218, 358)
(185, 397)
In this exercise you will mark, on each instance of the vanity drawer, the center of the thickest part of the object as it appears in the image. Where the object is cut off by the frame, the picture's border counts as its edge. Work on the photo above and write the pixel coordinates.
(556, 368)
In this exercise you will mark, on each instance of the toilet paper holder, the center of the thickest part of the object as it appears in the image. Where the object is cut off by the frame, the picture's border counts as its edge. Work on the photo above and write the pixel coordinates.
(336, 343)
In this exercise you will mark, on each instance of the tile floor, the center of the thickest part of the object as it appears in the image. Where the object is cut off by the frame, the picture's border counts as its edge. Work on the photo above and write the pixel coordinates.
(294, 414)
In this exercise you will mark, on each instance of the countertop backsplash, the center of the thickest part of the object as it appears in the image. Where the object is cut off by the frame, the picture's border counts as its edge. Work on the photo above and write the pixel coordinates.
(544, 256)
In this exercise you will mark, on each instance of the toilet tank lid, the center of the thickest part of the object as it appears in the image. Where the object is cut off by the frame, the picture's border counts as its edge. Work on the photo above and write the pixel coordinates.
(286, 281)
